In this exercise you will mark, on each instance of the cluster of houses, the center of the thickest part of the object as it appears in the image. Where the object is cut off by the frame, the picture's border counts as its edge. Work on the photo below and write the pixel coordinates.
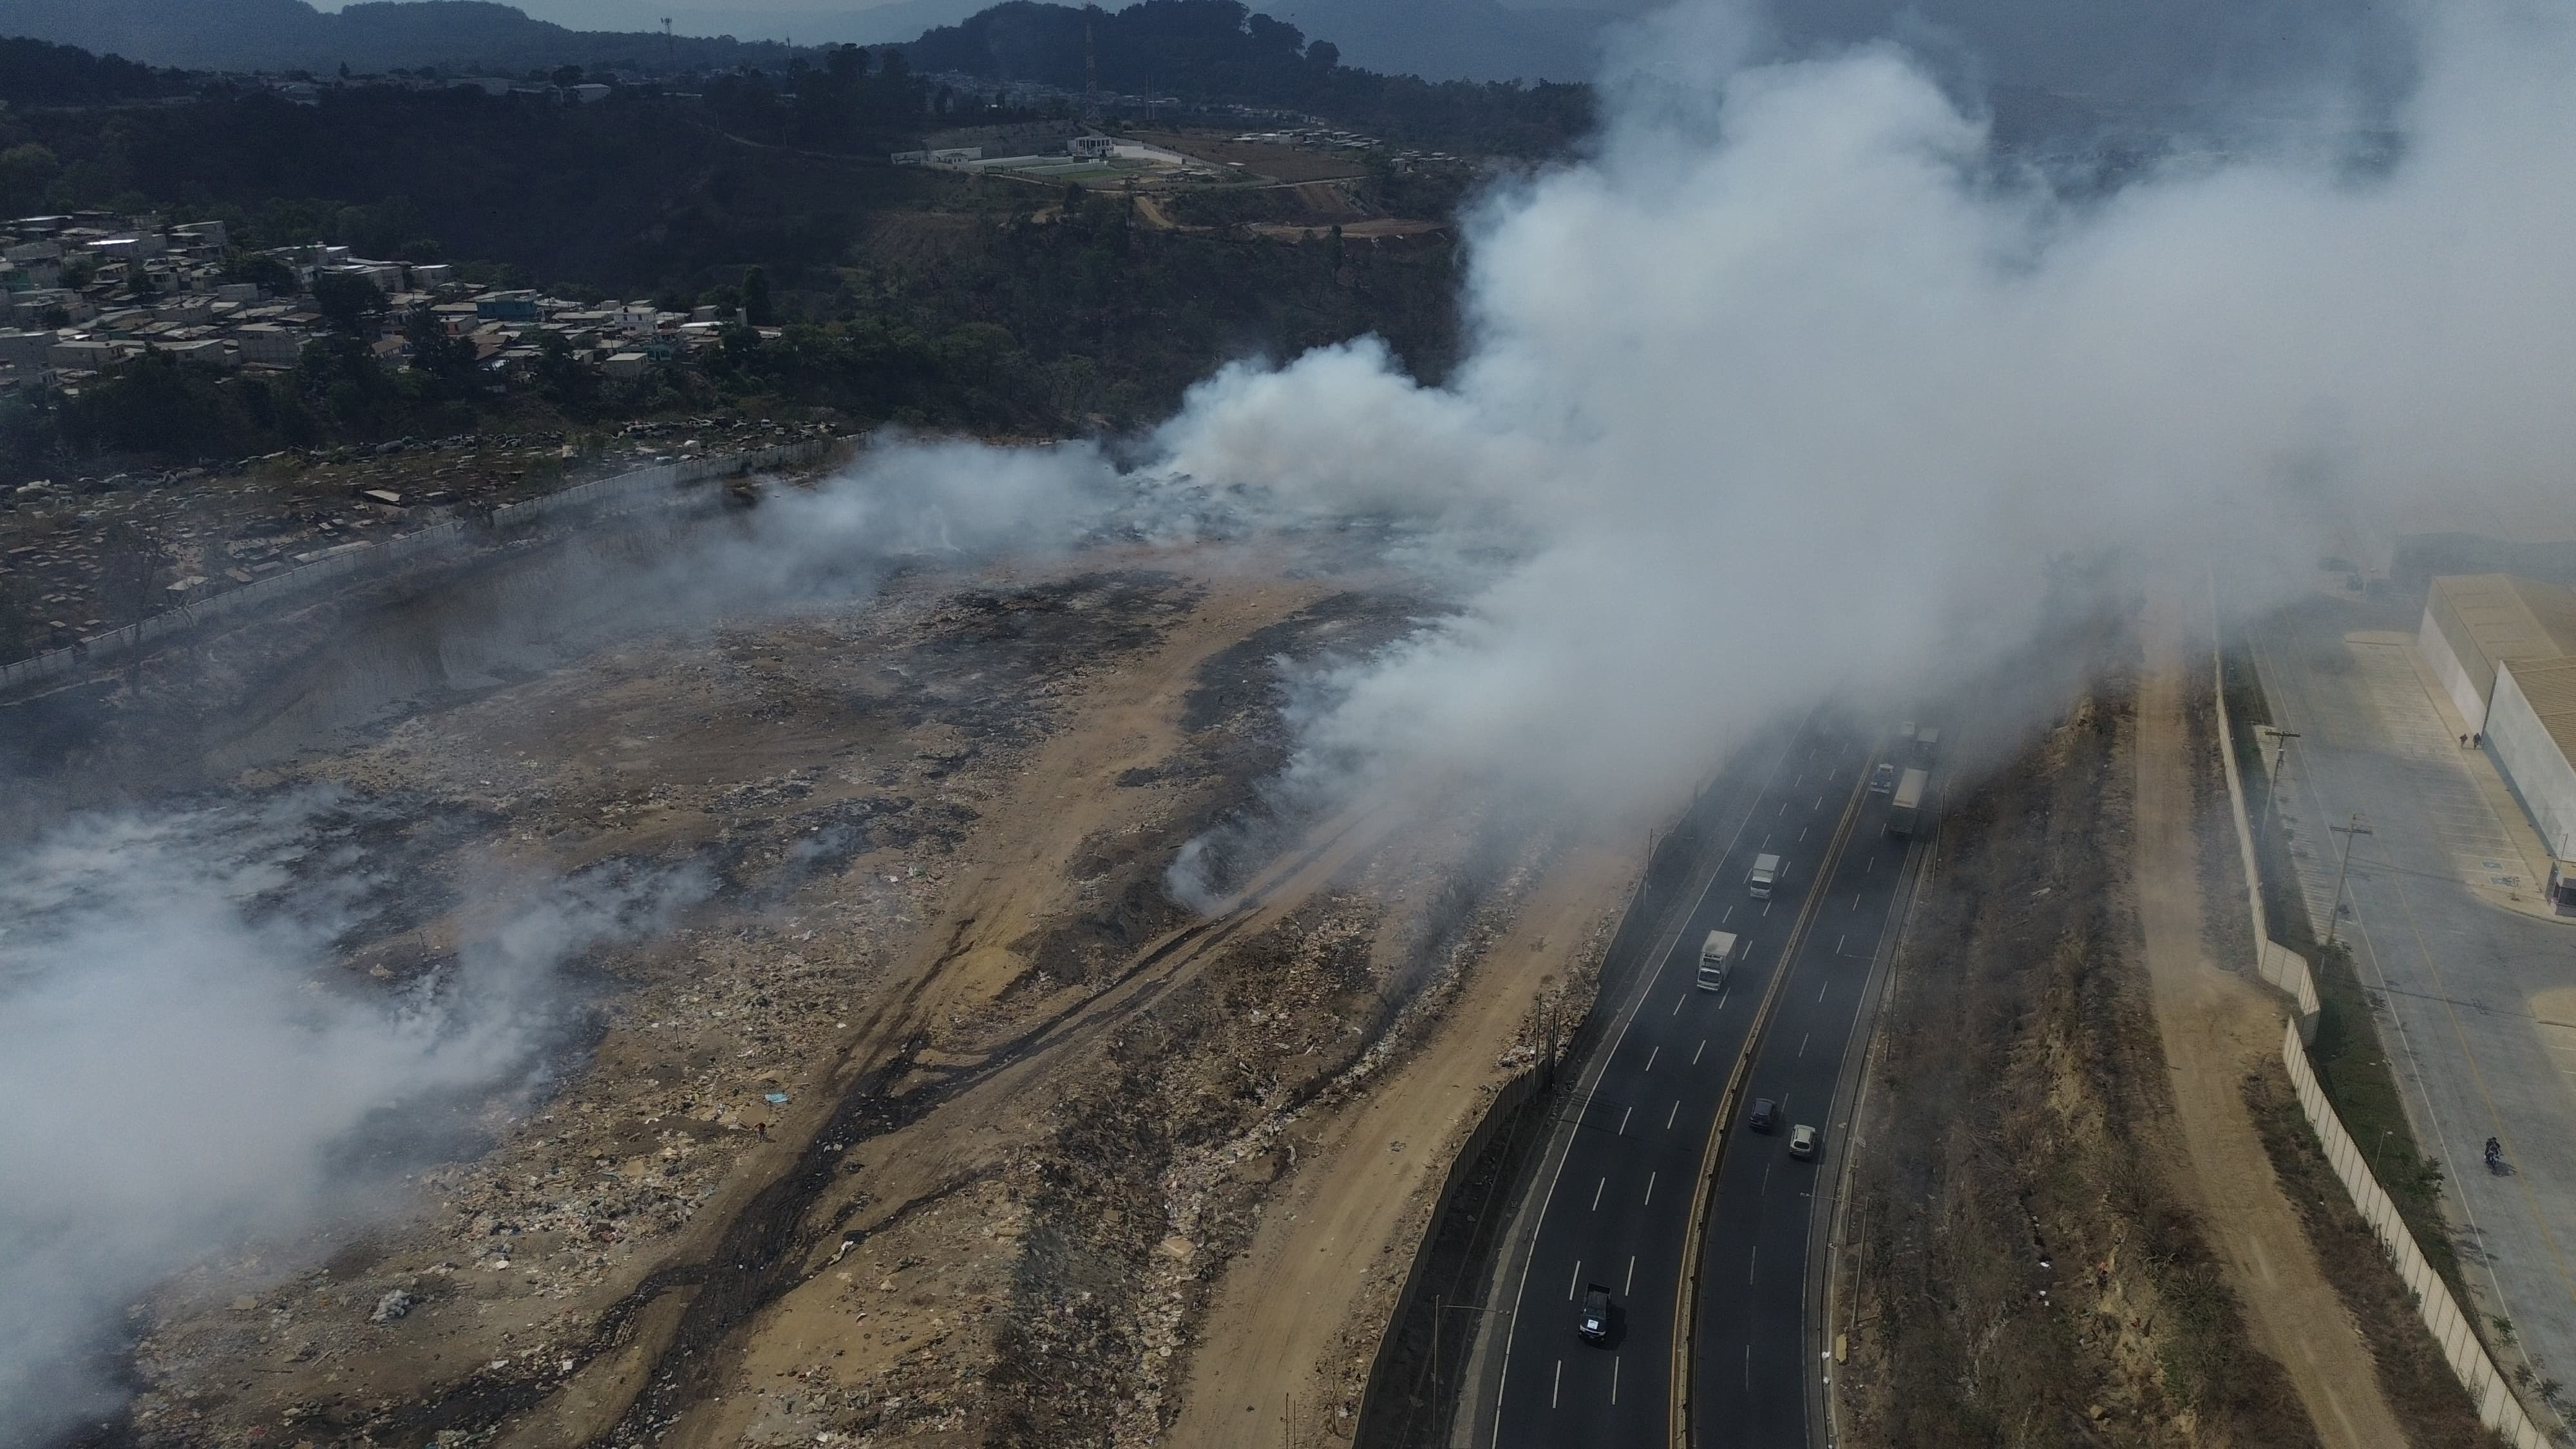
(80, 293)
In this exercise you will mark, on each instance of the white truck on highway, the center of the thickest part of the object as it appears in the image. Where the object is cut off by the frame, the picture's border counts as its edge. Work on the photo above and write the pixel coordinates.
(1765, 875)
(1905, 808)
(1716, 954)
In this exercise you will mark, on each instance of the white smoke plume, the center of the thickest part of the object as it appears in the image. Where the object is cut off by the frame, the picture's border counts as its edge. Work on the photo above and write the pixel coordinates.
(1794, 388)
(183, 1077)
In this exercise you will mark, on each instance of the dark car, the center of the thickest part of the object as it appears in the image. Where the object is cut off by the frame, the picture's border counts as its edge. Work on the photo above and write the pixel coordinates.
(1882, 780)
(1594, 1325)
(1764, 1116)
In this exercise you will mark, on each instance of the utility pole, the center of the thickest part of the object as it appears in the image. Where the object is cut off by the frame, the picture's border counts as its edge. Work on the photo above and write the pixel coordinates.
(670, 48)
(2272, 782)
(2334, 917)
(1090, 70)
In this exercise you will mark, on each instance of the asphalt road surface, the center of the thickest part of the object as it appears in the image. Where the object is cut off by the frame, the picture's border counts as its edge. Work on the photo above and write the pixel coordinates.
(1618, 1205)
(1755, 1363)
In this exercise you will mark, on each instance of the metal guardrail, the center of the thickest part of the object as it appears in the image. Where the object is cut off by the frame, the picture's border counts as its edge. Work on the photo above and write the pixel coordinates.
(598, 493)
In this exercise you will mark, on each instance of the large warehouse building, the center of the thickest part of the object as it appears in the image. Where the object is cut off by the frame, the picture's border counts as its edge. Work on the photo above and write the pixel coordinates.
(2505, 648)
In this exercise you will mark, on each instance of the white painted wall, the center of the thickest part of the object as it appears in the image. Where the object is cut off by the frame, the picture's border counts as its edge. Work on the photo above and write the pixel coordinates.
(2454, 675)
(2531, 759)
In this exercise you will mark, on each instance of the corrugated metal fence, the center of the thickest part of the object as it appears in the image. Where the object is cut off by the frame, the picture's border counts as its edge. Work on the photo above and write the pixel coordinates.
(603, 494)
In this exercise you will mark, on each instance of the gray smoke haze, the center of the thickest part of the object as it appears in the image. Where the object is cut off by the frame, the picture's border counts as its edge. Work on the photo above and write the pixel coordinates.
(1793, 389)
(184, 1077)
(1788, 388)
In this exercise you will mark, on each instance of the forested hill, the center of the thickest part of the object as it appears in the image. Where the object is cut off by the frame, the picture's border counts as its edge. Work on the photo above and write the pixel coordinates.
(374, 36)
(34, 73)
(1220, 51)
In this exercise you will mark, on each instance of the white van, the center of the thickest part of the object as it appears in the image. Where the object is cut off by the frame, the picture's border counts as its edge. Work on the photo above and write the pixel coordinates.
(1715, 955)
(1766, 874)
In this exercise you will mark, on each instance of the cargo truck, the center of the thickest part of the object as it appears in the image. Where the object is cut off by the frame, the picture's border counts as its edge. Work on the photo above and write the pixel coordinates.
(1766, 874)
(1905, 809)
(1716, 954)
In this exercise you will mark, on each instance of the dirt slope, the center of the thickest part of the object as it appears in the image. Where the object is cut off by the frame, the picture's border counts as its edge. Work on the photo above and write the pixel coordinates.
(1298, 1315)
(2216, 1026)
(938, 1119)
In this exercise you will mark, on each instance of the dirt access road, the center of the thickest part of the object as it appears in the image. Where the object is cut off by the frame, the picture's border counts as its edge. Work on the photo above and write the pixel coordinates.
(2215, 1026)
(1297, 1317)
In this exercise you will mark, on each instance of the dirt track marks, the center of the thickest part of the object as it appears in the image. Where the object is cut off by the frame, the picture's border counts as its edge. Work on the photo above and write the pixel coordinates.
(2214, 1025)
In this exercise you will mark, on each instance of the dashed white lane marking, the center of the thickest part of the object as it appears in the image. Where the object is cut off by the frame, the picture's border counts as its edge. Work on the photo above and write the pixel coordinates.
(1624, 1116)
(1630, 1286)
(1677, 1002)
(1675, 1112)
(1802, 1043)
(1650, 1190)
(1751, 1260)
(1576, 1279)
(1559, 1381)
(1614, 1378)
(1596, 1193)
(1703, 1046)
(1651, 1055)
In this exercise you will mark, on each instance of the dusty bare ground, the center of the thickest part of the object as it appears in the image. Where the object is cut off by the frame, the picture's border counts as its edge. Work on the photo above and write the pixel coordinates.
(939, 1121)
(2216, 1027)
(2027, 1272)
(1298, 1315)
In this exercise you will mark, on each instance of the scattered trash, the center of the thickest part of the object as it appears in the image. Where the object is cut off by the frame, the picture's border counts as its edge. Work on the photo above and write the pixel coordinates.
(775, 1099)
(392, 1306)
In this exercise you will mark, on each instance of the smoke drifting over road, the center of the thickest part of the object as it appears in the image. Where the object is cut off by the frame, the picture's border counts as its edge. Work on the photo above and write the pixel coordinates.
(1794, 387)
(183, 1076)
(1790, 387)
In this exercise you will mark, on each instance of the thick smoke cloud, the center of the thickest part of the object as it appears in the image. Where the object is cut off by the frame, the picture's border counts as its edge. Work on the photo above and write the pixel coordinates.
(183, 1077)
(1795, 388)
(1790, 388)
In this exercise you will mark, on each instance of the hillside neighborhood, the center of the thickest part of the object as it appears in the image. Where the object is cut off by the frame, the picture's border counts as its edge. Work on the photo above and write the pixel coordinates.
(91, 289)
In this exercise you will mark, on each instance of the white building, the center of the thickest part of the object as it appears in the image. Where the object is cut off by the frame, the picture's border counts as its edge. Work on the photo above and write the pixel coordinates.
(1092, 148)
(93, 353)
(627, 365)
(270, 345)
(25, 349)
(205, 352)
(2505, 651)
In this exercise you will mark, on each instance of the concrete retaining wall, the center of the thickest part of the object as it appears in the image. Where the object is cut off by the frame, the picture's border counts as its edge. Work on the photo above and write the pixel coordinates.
(625, 490)
(1508, 1102)
(2287, 970)
(2497, 1407)
(2434, 643)
(2538, 770)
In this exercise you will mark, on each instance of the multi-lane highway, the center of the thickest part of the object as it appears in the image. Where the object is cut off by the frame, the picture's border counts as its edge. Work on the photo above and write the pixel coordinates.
(1618, 1198)
(1755, 1358)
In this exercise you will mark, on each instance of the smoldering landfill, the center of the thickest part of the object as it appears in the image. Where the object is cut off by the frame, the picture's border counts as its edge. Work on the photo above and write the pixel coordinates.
(1787, 389)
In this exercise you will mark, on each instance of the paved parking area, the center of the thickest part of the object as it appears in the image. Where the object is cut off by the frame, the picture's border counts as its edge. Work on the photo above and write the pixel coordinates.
(2475, 984)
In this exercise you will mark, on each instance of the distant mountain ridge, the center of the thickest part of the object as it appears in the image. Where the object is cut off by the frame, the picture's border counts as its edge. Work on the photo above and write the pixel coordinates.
(376, 36)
